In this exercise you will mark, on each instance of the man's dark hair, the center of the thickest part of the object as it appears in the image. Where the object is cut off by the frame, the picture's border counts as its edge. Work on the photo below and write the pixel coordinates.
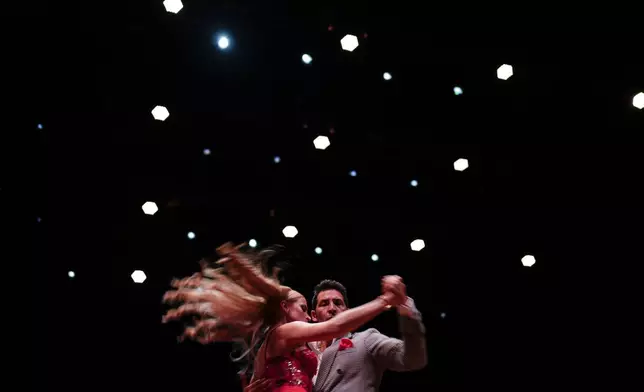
(328, 284)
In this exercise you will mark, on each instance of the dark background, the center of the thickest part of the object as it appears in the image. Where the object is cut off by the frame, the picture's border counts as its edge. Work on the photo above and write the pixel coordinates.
(555, 171)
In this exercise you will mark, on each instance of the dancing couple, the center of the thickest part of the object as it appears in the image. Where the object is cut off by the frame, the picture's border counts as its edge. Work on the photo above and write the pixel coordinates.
(238, 299)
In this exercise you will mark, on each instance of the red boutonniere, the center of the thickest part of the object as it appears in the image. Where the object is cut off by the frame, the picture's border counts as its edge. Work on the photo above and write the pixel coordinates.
(345, 344)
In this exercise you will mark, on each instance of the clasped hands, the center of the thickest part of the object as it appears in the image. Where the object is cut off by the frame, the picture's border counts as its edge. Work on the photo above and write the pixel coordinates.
(394, 291)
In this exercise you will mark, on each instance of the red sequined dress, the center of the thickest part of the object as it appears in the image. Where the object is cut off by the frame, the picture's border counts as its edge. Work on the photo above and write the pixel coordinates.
(292, 372)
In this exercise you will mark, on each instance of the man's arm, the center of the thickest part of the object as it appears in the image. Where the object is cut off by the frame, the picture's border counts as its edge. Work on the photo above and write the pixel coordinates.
(407, 354)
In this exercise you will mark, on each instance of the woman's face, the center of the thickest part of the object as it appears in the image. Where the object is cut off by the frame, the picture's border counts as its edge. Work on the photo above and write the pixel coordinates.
(296, 308)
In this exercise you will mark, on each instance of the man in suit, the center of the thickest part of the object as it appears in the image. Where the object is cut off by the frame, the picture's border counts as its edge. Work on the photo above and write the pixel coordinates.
(357, 362)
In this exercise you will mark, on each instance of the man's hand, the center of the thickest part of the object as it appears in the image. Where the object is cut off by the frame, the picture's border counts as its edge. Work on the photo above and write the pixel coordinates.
(395, 289)
(259, 385)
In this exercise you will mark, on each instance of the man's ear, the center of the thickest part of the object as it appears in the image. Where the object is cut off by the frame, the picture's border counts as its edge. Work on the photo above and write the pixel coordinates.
(314, 316)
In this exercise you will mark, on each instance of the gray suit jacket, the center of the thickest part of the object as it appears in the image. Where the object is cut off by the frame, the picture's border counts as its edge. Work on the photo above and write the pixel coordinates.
(360, 368)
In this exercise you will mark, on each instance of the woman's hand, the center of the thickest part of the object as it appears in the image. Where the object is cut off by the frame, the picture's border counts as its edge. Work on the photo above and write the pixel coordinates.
(394, 290)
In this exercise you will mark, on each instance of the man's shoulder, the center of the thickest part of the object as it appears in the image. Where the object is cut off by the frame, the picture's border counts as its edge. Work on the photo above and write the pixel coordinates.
(366, 333)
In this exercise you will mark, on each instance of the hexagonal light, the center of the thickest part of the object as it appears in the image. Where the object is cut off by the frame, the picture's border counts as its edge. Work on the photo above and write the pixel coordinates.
(289, 231)
(504, 72)
(160, 113)
(150, 208)
(173, 6)
(306, 58)
(252, 243)
(318, 250)
(138, 276)
(528, 260)
(386, 76)
(71, 274)
(374, 257)
(461, 164)
(638, 100)
(321, 142)
(458, 91)
(349, 42)
(417, 245)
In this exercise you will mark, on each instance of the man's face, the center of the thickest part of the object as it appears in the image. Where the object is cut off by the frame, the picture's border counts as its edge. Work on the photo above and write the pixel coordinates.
(330, 303)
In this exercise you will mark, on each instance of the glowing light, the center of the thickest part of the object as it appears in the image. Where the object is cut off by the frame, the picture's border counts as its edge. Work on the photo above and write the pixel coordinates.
(223, 42)
(458, 90)
(150, 208)
(289, 231)
(38, 219)
(417, 245)
(138, 276)
(252, 243)
(353, 173)
(443, 315)
(191, 235)
(39, 126)
(528, 260)
(386, 76)
(414, 183)
(374, 257)
(349, 42)
(71, 274)
(638, 100)
(306, 59)
(504, 72)
(160, 113)
(321, 142)
(318, 250)
(461, 164)
(173, 6)
(277, 159)
(206, 151)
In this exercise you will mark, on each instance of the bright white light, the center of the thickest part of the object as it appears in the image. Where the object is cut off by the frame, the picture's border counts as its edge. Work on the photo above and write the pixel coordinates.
(252, 243)
(223, 42)
(353, 173)
(461, 164)
(206, 151)
(458, 90)
(160, 113)
(138, 276)
(150, 208)
(39, 126)
(528, 261)
(71, 274)
(277, 159)
(504, 72)
(443, 315)
(318, 250)
(349, 42)
(414, 183)
(386, 76)
(374, 257)
(417, 245)
(306, 59)
(289, 231)
(638, 100)
(173, 6)
(321, 142)
(191, 235)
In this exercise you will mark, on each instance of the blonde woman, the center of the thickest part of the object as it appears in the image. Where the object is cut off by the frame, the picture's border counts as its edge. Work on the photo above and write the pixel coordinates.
(240, 301)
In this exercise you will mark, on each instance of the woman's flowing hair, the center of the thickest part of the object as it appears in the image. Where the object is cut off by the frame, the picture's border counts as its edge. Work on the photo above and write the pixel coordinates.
(235, 299)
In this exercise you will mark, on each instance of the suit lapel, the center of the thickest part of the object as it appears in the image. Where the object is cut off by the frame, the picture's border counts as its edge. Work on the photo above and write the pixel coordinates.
(328, 356)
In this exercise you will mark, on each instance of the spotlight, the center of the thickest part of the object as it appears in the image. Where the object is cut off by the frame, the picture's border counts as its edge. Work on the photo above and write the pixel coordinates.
(223, 42)
(160, 113)
(150, 208)
(374, 257)
(191, 235)
(321, 142)
(252, 243)
(71, 274)
(638, 101)
(306, 59)
(39, 126)
(414, 183)
(458, 90)
(138, 276)
(276, 159)
(461, 164)
(386, 76)
(318, 250)
(349, 42)
(173, 6)
(443, 315)
(504, 72)
(289, 231)
(417, 245)
(353, 173)
(528, 260)
(38, 219)
(206, 151)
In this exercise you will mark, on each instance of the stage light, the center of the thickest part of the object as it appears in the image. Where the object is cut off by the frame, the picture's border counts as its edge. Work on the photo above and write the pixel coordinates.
(318, 250)
(39, 126)
(458, 90)
(206, 151)
(504, 72)
(461, 164)
(374, 257)
(289, 231)
(349, 42)
(353, 173)
(277, 159)
(386, 76)
(321, 142)
(223, 42)
(191, 235)
(173, 6)
(417, 245)
(528, 260)
(443, 315)
(306, 59)
(638, 100)
(160, 113)
(252, 243)
(38, 219)
(414, 183)
(138, 276)
(71, 274)
(150, 208)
